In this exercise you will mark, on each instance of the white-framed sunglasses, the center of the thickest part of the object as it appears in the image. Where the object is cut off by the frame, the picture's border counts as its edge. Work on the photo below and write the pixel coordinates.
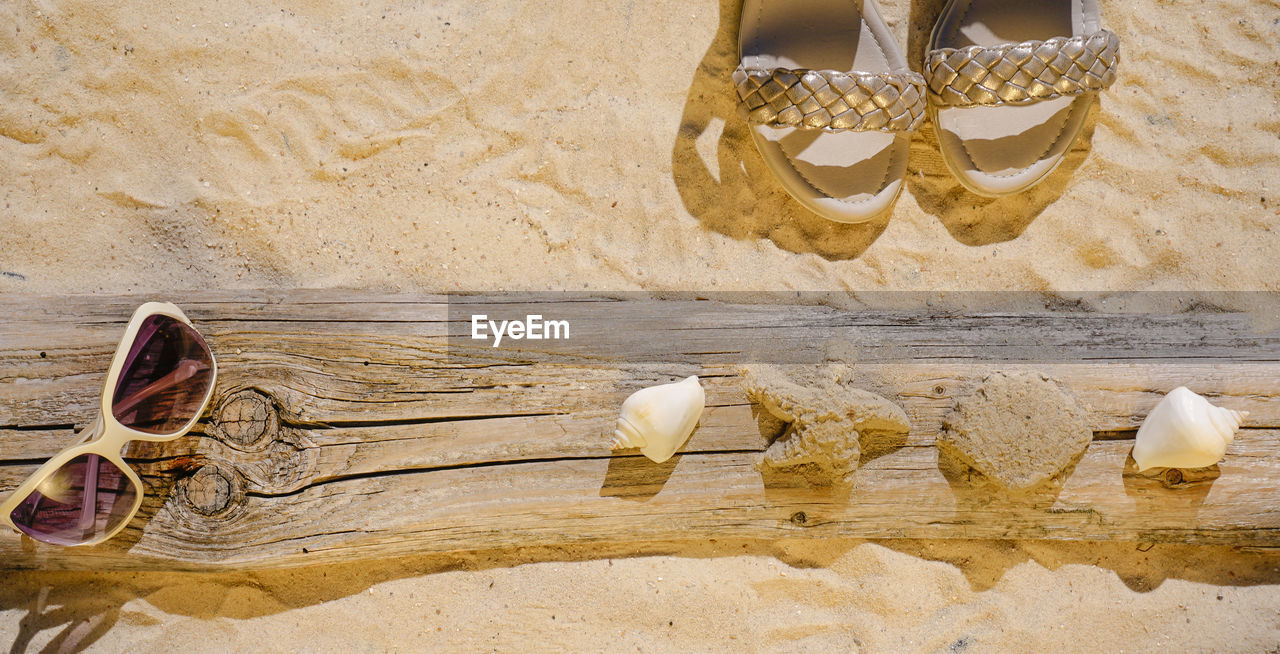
(159, 383)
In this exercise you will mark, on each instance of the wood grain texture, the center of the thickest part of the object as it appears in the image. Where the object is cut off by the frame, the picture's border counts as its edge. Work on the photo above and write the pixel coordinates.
(349, 425)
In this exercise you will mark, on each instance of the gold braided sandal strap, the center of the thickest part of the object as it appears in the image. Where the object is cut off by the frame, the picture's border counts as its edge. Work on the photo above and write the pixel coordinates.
(1021, 73)
(828, 99)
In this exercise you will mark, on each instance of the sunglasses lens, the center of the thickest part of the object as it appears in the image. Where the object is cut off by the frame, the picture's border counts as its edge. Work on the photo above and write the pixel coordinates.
(84, 499)
(165, 377)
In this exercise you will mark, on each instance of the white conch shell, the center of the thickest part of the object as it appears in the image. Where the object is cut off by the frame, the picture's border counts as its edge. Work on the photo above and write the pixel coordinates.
(1185, 431)
(659, 419)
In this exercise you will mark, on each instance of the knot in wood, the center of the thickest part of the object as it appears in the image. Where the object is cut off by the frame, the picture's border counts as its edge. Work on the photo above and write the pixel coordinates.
(211, 489)
(247, 417)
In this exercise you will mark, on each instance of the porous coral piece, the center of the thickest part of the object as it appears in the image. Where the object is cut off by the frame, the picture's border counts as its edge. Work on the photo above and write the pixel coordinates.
(1018, 429)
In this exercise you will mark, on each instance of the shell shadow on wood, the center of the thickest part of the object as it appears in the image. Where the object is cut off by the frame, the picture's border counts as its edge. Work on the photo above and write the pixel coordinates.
(826, 421)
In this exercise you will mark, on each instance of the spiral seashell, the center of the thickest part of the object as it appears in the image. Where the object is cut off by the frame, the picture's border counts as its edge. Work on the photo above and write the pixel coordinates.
(659, 419)
(1185, 431)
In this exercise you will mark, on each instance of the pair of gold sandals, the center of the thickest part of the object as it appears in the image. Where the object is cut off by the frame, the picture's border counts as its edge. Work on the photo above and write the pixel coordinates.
(832, 103)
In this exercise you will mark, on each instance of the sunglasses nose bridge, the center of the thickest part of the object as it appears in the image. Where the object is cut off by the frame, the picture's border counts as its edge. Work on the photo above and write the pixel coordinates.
(95, 430)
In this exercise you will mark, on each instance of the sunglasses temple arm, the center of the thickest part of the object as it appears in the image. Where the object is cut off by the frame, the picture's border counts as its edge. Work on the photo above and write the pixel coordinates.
(183, 373)
(89, 510)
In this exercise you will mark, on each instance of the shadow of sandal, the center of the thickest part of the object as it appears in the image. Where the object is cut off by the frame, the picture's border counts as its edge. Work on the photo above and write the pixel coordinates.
(972, 219)
(730, 190)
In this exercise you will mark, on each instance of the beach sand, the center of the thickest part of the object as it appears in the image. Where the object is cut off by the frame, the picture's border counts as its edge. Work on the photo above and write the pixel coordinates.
(156, 147)
(808, 595)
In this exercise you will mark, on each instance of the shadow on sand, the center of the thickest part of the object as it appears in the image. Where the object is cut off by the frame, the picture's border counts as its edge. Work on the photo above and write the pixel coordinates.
(83, 606)
(724, 182)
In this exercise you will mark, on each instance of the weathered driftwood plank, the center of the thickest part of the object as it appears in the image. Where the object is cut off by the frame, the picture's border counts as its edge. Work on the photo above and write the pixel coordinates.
(348, 425)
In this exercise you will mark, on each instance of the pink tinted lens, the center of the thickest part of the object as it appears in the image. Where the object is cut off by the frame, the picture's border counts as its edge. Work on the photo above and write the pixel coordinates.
(165, 377)
(87, 497)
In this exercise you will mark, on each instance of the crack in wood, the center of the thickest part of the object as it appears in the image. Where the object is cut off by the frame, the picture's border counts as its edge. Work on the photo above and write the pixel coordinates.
(355, 424)
(323, 481)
